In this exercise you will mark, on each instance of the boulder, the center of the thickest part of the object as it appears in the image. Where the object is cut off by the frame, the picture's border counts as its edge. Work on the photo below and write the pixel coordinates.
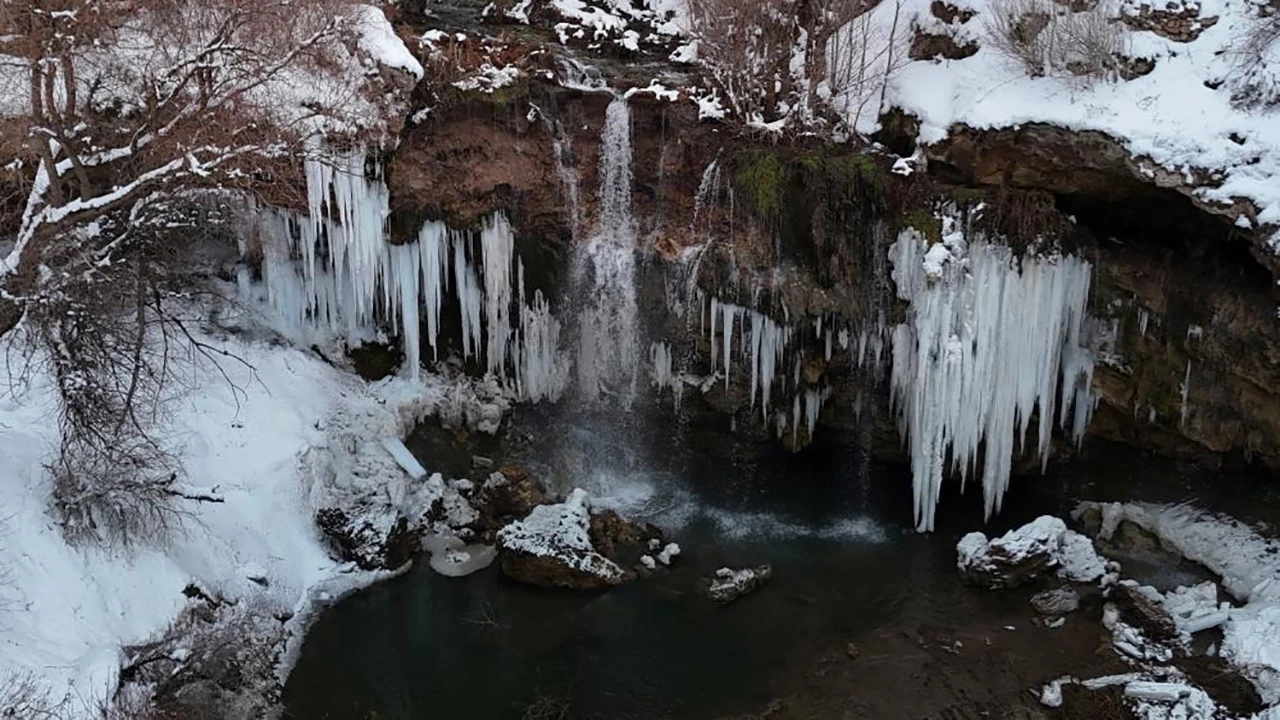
(373, 541)
(617, 537)
(553, 547)
(506, 494)
(728, 584)
(1020, 556)
(1141, 611)
(1056, 602)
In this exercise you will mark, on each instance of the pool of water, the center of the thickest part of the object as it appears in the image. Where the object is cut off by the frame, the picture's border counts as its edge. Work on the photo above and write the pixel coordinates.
(836, 529)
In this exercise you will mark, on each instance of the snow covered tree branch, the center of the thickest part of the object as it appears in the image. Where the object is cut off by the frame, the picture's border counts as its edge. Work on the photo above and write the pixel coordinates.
(143, 129)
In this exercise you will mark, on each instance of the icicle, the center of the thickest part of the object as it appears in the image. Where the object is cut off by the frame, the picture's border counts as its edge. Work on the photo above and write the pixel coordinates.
(985, 344)
(470, 301)
(433, 252)
(497, 248)
(730, 312)
(1143, 318)
(542, 370)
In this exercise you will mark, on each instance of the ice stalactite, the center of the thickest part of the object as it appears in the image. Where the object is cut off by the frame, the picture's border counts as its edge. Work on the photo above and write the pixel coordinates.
(497, 247)
(986, 342)
(334, 270)
(542, 370)
(433, 251)
(604, 274)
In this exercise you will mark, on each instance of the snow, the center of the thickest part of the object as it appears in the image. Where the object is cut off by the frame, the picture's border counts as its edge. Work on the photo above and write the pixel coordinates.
(1180, 116)
(72, 610)
(560, 531)
(1249, 566)
(379, 40)
(669, 553)
(1071, 553)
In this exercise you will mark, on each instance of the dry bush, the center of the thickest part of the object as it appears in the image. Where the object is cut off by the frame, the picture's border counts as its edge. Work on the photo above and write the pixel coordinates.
(795, 59)
(1049, 39)
(115, 341)
(1254, 79)
(747, 47)
(22, 697)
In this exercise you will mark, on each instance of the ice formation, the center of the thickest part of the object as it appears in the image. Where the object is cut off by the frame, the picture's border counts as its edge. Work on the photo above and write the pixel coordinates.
(334, 270)
(984, 346)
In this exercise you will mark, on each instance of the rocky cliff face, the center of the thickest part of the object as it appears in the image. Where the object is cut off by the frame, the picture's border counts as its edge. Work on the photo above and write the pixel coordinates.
(1190, 349)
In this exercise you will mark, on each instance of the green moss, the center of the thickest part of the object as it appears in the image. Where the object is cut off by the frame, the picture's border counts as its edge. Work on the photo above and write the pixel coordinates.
(763, 177)
(924, 221)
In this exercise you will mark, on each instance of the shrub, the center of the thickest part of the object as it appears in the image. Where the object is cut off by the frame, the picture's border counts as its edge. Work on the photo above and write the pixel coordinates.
(1049, 39)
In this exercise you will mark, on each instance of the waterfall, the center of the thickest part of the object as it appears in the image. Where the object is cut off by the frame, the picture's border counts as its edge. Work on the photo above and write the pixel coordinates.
(604, 273)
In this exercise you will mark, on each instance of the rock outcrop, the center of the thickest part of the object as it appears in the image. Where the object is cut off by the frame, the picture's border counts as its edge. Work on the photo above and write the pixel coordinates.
(552, 547)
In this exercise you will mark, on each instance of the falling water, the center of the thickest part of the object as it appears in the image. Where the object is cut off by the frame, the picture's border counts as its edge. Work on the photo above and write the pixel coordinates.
(604, 274)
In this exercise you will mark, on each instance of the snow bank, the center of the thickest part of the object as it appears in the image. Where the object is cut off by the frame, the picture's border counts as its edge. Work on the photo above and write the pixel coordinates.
(1249, 566)
(69, 612)
(379, 40)
(1180, 115)
(295, 435)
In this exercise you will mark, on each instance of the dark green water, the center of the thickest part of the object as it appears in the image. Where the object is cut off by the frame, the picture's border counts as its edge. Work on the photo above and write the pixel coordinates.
(846, 562)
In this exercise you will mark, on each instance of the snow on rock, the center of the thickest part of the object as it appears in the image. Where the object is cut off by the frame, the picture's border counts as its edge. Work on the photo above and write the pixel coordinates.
(1024, 554)
(1180, 115)
(1056, 602)
(552, 546)
(728, 584)
(669, 553)
(987, 342)
(1249, 566)
(379, 40)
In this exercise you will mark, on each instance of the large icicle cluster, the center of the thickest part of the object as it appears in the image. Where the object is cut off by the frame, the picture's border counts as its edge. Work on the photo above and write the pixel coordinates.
(986, 341)
(334, 269)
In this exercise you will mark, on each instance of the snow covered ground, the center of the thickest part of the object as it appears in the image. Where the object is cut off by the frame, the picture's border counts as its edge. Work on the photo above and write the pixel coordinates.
(1249, 565)
(297, 434)
(1180, 115)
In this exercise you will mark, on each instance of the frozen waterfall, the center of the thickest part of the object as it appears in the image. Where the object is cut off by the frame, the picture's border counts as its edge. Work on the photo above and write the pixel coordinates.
(334, 270)
(986, 340)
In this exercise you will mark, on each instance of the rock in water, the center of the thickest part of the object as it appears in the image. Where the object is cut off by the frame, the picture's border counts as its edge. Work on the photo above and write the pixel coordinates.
(552, 547)
(1056, 603)
(1021, 555)
(727, 584)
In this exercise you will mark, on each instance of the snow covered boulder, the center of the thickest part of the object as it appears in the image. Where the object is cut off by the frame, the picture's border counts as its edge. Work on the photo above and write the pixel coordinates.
(1022, 555)
(728, 584)
(1143, 608)
(507, 494)
(552, 547)
(372, 538)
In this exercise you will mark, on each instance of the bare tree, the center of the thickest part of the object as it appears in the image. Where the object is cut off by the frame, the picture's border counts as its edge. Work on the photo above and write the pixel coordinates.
(1050, 39)
(141, 118)
(798, 61)
(1255, 62)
